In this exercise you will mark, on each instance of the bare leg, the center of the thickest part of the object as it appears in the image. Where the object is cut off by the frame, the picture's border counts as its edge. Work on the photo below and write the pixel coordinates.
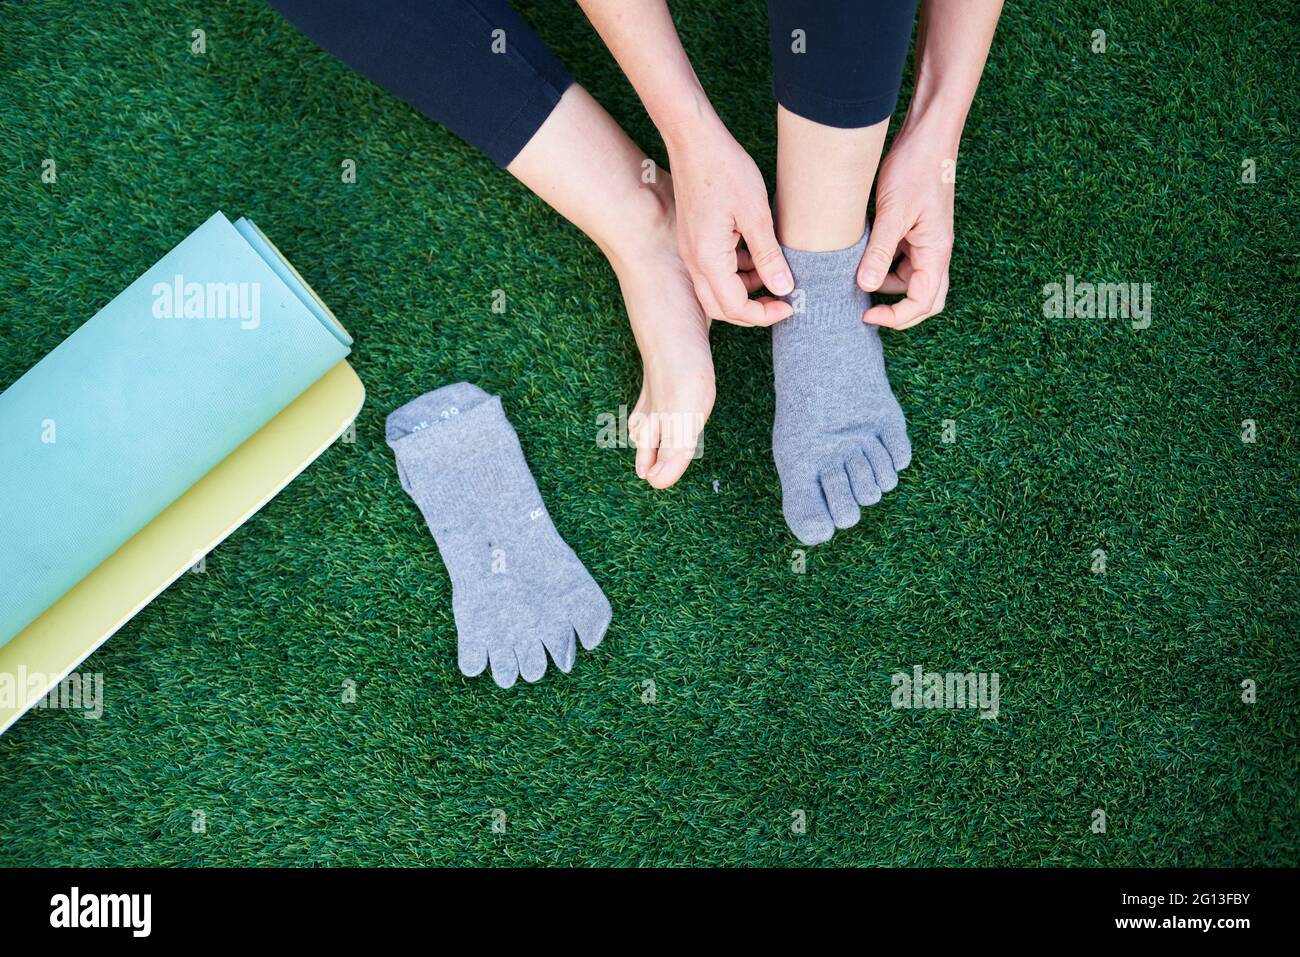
(823, 181)
(591, 173)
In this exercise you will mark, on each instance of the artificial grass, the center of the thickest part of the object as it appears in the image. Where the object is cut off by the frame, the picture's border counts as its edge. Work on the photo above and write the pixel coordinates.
(771, 689)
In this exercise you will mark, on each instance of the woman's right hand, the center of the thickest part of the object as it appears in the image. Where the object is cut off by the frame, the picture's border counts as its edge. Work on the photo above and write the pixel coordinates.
(721, 200)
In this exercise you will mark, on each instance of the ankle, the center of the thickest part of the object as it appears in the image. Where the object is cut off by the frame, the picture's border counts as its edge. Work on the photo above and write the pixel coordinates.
(645, 222)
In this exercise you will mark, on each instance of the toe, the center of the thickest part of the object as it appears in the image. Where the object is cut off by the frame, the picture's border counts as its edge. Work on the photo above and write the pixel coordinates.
(559, 641)
(839, 498)
(881, 464)
(643, 430)
(897, 445)
(531, 656)
(472, 655)
(679, 436)
(807, 515)
(668, 468)
(862, 479)
(505, 666)
(645, 460)
(591, 620)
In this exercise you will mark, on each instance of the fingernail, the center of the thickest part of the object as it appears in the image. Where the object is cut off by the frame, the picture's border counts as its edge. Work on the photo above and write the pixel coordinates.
(782, 284)
(871, 279)
(659, 467)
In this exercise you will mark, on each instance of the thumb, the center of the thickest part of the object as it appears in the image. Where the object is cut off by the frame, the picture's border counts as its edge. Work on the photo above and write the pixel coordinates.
(769, 261)
(886, 234)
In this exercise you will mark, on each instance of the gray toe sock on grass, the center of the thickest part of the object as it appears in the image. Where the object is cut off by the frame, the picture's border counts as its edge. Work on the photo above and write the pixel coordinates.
(839, 438)
(518, 591)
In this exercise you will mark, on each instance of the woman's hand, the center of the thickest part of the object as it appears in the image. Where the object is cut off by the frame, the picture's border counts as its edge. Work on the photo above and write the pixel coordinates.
(917, 182)
(912, 235)
(722, 200)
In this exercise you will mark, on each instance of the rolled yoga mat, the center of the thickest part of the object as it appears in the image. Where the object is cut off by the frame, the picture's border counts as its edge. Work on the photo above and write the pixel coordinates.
(144, 400)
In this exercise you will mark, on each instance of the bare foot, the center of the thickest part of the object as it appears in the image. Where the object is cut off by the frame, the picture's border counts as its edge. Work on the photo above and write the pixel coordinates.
(672, 334)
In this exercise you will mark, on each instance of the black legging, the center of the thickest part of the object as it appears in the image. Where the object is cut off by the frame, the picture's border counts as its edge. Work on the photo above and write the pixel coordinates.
(478, 69)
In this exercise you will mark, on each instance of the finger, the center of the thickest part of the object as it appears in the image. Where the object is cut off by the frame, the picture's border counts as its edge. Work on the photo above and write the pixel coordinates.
(775, 310)
(940, 300)
(765, 252)
(744, 261)
(708, 302)
(753, 282)
(738, 308)
(922, 289)
(886, 233)
(894, 285)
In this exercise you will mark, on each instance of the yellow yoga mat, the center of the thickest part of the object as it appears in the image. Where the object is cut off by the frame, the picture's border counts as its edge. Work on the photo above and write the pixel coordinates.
(44, 652)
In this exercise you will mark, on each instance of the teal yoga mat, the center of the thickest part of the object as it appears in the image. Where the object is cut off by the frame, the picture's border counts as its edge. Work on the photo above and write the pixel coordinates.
(143, 400)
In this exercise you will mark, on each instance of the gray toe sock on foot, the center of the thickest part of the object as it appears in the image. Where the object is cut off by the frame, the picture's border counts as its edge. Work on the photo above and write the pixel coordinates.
(518, 591)
(839, 438)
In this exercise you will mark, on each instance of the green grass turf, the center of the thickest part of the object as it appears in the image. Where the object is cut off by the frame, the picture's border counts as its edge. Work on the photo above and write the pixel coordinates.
(773, 689)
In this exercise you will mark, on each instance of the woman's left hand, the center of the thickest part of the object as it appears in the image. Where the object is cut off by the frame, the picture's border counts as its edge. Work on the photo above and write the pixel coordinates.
(912, 235)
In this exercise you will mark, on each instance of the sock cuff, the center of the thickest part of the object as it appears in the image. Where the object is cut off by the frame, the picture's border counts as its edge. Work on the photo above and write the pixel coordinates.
(457, 438)
(438, 407)
(445, 426)
(826, 291)
(819, 265)
(457, 453)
